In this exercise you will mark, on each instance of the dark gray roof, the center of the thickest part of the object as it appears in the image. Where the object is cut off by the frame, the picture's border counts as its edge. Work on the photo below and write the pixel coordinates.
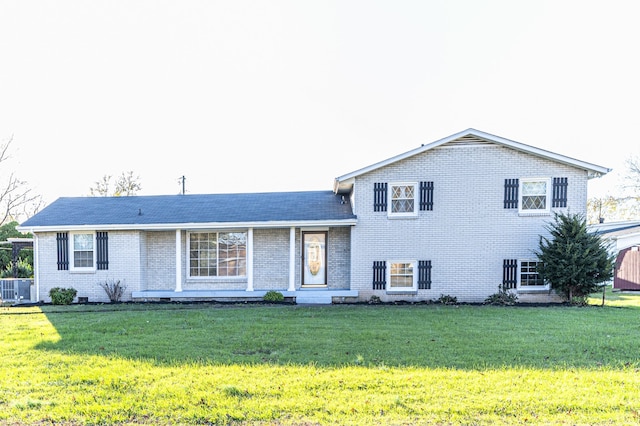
(311, 206)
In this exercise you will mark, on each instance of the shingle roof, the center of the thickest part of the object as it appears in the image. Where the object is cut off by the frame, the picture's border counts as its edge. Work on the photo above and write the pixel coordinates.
(142, 212)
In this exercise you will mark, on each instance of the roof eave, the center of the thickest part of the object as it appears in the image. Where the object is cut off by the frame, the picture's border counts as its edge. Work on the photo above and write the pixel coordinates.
(345, 182)
(191, 225)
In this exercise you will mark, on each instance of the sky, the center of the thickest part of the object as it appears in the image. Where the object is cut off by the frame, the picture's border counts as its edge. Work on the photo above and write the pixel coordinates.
(261, 96)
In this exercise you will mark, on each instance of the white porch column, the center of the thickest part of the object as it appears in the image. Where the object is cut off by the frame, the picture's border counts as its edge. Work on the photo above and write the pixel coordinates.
(250, 259)
(292, 259)
(178, 260)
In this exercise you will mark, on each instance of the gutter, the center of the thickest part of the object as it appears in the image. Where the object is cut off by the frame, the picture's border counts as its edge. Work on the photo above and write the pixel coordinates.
(191, 225)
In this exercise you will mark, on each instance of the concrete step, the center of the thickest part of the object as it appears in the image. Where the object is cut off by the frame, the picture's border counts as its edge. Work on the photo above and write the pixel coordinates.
(313, 299)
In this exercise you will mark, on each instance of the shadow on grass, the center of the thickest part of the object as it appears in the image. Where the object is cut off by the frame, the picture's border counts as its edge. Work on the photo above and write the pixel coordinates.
(434, 336)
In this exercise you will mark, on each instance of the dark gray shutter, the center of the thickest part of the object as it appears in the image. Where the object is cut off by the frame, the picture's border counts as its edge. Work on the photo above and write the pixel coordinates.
(426, 195)
(380, 197)
(509, 273)
(379, 275)
(62, 240)
(424, 274)
(102, 254)
(559, 198)
(511, 193)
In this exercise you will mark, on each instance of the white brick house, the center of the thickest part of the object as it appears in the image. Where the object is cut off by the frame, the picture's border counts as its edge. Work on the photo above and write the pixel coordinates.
(457, 217)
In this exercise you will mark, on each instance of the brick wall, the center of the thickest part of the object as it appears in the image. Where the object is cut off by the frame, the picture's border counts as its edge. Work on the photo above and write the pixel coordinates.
(124, 265)
(468, 233)
(271, 258)
(159, 251)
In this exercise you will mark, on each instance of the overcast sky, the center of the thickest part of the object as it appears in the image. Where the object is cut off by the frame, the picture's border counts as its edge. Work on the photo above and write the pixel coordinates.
(253, 96)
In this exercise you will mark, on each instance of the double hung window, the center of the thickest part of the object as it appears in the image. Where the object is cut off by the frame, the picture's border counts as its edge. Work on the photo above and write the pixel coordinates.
(401, 276)
(82, 251)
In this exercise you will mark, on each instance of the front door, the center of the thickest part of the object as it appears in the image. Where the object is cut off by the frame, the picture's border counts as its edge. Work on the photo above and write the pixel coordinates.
(314, 259)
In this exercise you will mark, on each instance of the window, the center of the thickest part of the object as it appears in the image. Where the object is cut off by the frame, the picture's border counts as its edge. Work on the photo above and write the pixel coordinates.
(529, 275)
(403, 199)
(82, 251)
(217, 254)
(535, 195)
(401, 276)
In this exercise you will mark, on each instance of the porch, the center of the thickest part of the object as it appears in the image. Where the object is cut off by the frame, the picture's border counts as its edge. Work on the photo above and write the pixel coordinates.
(301, 296)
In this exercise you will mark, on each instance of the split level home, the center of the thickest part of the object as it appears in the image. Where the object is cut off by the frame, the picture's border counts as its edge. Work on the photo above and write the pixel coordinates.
(458, 217)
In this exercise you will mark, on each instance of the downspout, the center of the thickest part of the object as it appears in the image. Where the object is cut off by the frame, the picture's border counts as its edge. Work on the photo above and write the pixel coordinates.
(36, 266)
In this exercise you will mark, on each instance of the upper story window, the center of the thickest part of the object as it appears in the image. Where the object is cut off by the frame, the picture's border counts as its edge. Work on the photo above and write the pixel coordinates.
(217, 254)
(403, 199)
(406, 198)
(535, 195)
(82, 251)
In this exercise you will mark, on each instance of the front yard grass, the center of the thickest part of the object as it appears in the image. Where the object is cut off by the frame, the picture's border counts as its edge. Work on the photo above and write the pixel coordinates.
(353, 364)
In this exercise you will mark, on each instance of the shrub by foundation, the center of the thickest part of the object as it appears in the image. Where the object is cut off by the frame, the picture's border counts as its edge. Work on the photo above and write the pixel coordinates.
(62, 296)
(114, 289)
(273, 296)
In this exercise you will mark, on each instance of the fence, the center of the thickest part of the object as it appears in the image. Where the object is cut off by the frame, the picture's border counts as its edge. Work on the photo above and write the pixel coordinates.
(15, 289)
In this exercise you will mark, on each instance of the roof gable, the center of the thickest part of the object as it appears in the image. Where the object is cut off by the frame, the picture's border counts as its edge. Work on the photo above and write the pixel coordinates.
(470, 137)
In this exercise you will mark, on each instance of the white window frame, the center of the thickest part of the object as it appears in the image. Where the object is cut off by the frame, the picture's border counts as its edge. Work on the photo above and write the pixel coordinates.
(416, 200)
(72, 251)
(547, 209)
(544, 286)
(414, 286)
(216, 277)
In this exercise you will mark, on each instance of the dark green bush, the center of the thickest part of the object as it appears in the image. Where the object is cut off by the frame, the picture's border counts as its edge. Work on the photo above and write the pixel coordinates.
(273, 296)
(62, 296)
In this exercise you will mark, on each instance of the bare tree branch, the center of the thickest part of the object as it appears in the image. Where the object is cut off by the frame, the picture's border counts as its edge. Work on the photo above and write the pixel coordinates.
(101, 187)
(15, 194)
(632, 178)
(125, 185)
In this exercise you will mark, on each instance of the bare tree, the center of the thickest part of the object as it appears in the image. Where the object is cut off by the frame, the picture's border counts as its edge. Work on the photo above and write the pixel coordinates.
(101, 187)
(626, 205)
(16, 198)
(632, 178)
(125, 185)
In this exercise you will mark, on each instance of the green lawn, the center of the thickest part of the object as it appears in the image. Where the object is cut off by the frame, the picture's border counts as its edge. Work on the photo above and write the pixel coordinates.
(358, 364)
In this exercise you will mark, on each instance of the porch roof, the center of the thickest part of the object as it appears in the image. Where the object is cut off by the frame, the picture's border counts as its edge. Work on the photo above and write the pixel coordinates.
(310, 208)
